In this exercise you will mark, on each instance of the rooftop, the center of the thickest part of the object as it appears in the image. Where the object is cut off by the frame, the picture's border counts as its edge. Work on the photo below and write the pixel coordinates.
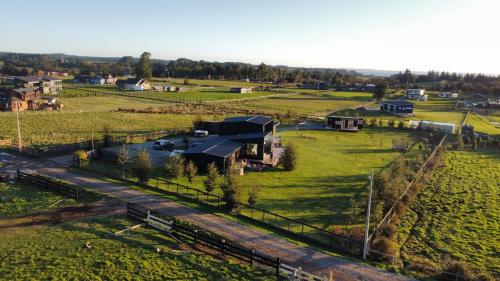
(397, 102)
(256, 119)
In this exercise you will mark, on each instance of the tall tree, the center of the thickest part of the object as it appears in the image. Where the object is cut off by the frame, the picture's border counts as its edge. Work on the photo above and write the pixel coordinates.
(380, 91)
(143, 67)
(289, 158)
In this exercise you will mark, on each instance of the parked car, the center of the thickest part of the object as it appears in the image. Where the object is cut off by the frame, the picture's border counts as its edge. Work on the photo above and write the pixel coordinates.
(163, 144)
(175, 153)
(200, 133)
(362, 108)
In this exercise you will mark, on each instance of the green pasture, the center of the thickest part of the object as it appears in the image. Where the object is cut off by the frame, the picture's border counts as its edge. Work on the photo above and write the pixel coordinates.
(456, 214)
(58, 252)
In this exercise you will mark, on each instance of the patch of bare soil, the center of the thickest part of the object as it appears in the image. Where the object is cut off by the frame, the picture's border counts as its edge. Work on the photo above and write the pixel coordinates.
(103, 207)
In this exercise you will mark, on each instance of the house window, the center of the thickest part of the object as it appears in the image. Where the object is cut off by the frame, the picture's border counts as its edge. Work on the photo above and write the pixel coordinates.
(338, 122)
(252, 149)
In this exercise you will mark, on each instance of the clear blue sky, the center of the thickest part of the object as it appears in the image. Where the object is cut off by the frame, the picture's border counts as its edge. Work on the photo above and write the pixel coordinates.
(454, 35)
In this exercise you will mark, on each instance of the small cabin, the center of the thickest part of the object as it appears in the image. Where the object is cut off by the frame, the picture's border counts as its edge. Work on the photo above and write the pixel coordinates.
(344, 123)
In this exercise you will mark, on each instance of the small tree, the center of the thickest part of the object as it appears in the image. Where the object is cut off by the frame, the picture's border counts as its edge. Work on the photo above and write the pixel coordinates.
(190, 171)
(81, 158)
(123, 158)
(142, 166)
(401, 124)
(373, 122)
(289, 158)
(186, 81)
(253, 195)
(174, 167)
(380, 122)
(185, 139)
(391, 123)
(106, 135)
(212, 176)
(231, 189)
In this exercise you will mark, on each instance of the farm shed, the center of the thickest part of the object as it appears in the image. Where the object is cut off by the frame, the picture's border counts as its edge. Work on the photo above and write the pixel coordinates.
(433, 126)
(344, 123)
(397, 107)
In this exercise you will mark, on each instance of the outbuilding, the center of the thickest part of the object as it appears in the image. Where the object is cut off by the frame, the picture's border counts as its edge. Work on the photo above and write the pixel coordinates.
(344, 123)
(397, 107)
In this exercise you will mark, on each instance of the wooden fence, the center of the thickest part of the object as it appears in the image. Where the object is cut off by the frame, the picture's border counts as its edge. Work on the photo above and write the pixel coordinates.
(64, 189)
(300, 230)
(392, 211)
(224, 247)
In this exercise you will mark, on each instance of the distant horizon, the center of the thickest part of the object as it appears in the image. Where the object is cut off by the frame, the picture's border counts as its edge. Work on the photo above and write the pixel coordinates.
(367, 70)
(447, 35)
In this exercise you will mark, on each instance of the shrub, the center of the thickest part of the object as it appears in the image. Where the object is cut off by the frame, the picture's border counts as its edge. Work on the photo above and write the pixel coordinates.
(142, 166)
(81, 158)
(384, 249)
(373, 122)
(106, 135)
(401, 124)
(390, 231)
(123, 158)
(380, 122)
(289, 158)
(253, 195)
(390, 123)
(453, 268)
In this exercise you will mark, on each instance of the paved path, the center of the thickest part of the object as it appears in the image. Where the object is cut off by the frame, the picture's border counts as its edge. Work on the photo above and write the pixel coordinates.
(311, 260)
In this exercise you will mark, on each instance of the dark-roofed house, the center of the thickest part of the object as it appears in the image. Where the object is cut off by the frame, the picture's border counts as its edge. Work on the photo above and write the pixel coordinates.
(89, 79)
(241, 90)
(133, 84)
(397, 107)
(242, 140)
(344, 123)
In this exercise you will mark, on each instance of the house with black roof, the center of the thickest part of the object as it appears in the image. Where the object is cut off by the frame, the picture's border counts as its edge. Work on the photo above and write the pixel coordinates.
(397, 107)
(133, 84)
(242, 140)
(344, 123)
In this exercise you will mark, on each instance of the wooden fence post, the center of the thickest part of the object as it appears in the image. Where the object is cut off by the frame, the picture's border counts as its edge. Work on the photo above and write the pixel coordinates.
(278, 263)
(223, 243)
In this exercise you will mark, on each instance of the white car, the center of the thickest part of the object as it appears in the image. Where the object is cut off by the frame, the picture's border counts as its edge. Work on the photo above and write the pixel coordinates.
(200, 133)
(175, 153)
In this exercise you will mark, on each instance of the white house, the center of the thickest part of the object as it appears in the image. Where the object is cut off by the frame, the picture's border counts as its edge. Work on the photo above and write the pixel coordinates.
(416, 94)
(447, 95)
(241, 90)
(133, 84)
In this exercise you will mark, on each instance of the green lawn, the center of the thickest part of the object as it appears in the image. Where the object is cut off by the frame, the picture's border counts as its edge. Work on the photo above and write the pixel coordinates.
(309, 104)
(439, 110)
(58, 253)
(456, 215)
(332, 168)
(22, 198)
(483, 124)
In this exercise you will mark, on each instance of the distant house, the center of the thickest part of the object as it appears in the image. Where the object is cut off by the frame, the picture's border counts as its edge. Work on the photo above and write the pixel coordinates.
(133, 84)
(242, 140)
(447, 95)
(20, 99)
(56, 73)
(170, 89)
(47, 85)
(416, 94)
(158, 88)
(88, 79)
(109, 79)
(316, 86)
(397, 107)
(344, 123)
(241, 90)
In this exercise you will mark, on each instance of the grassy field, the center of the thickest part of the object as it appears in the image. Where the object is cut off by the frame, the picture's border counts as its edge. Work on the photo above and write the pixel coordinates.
(22, 198)
(456, 214)
(68, 127)
(215, 83)
(483, 124)
(332, 168)
(439, 110)
(58, 253)
(309, 104)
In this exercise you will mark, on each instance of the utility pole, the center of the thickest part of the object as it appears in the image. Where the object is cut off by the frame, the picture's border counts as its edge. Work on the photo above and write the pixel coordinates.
(19, 139)
(367, 225)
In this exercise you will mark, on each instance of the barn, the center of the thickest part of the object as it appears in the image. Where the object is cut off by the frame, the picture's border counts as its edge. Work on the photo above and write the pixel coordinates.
(344, 123)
